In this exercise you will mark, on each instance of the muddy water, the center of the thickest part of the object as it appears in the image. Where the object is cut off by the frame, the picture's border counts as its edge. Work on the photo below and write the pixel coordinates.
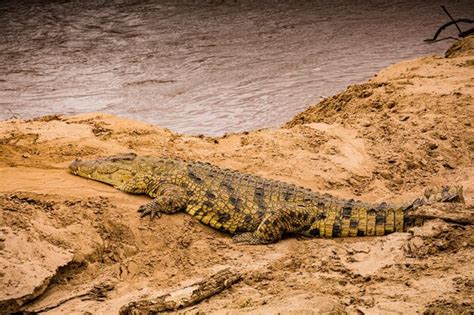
(202, 69)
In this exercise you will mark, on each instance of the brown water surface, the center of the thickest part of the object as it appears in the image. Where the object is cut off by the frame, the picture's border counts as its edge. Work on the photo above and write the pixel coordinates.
(206, 68)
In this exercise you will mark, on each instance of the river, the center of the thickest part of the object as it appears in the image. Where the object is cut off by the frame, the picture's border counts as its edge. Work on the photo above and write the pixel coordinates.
(203, 67)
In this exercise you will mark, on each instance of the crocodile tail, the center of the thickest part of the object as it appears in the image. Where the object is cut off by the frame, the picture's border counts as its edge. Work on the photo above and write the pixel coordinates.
(401, 219)
(381, 220)
(452, 194)
(354, 219)
(363, 221)
(445, 194)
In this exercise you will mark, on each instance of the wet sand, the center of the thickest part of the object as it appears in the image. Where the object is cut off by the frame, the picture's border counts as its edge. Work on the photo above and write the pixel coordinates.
(407, 128)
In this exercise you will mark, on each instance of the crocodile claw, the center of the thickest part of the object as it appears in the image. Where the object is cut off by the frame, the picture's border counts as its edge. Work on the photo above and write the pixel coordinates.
(147, 210)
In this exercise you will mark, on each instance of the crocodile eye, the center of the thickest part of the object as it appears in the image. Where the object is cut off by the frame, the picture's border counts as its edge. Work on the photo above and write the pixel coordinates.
(123, 157)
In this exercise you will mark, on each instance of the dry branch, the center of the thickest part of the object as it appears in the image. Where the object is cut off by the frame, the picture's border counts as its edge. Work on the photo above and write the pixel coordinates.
(184, 297)
(454, 213)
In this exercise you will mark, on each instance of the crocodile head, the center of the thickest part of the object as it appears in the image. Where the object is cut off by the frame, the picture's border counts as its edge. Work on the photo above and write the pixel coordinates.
(121, 171)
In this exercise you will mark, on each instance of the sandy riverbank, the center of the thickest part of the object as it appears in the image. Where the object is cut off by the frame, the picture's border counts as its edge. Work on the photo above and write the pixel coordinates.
(409, 127)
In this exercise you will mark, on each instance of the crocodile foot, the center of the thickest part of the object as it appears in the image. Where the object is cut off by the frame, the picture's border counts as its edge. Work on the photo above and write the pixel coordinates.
(149, 209)
(249, 238)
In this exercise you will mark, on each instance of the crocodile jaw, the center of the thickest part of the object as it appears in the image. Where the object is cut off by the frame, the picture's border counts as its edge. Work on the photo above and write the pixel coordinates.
(114, 172)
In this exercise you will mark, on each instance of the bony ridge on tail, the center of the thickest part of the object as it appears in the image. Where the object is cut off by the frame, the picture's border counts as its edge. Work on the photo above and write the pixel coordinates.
(254, 209)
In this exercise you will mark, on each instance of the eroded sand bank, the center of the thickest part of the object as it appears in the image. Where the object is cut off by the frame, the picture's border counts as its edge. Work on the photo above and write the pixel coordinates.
(409, 127)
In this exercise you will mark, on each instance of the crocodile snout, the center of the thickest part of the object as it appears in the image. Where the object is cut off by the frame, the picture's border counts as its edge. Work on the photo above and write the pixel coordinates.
(74, 166)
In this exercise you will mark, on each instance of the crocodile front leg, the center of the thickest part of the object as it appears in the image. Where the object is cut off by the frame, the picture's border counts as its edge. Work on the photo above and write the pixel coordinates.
(170, 199)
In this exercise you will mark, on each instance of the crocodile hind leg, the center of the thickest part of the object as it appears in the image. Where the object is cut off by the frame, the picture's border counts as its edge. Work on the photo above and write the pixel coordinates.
(169, 201)
(269, 231)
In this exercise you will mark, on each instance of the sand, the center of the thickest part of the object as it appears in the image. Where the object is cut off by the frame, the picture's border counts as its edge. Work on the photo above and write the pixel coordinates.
(408, 128)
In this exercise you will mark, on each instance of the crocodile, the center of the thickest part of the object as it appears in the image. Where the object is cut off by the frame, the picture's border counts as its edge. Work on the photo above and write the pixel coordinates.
(253, 209)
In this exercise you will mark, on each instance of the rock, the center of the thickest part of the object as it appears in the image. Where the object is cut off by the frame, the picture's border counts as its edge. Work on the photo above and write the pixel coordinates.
(449, 165)
(391, 104)
(29, 265)
(365, 123)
